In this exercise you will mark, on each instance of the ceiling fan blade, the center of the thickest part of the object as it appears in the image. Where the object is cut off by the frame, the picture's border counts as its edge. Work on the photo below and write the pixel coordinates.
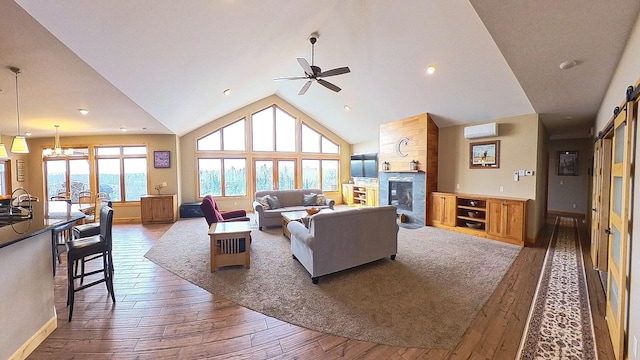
(291, 78)
(305, 65)
(305, 87)
(328, 85)
(336, 71)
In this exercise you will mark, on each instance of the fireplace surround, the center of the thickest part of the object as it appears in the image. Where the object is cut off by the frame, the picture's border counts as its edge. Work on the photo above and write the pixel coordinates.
(407, 191)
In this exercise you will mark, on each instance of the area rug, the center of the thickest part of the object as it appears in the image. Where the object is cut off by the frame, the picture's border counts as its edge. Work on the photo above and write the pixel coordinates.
(559, 324)
(426, 298)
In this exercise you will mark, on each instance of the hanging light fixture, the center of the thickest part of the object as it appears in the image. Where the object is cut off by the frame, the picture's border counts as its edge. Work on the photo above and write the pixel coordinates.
(19, 145)
(57, 149)
(3, 149)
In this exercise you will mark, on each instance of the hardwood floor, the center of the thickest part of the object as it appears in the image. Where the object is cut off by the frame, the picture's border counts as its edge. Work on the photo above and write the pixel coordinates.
(158, 315)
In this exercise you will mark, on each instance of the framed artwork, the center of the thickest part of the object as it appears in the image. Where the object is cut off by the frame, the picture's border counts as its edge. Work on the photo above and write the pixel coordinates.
(568, 163)
(20, 170)
(483, 155)
(162, 159)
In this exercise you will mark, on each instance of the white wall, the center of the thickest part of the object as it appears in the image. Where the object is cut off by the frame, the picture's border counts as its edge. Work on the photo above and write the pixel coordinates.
(628, 73)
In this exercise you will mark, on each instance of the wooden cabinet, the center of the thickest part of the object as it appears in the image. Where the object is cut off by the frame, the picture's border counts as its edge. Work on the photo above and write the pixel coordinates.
(360, 195)
(442, 209)
(502, 219)
(371, 196)
(156, 209)
(506, 219)
(347, 194)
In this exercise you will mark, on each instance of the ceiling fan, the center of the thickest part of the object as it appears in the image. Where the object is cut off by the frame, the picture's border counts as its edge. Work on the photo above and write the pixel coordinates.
(312, 72)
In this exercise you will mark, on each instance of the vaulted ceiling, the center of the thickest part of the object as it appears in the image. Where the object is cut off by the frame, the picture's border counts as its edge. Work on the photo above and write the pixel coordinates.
(161, 66)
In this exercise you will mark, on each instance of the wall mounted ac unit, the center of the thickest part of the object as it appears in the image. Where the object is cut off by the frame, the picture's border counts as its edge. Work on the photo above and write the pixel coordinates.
(481, 131)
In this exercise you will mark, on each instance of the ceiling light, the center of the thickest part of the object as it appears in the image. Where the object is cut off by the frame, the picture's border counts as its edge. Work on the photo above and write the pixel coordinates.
(123, 129)
(19, 145)
(568, 64)
(226, 91)
(57, 149)
(3, 149)
(347, 107)
(431, 69)
(27, 133)
(83, 111)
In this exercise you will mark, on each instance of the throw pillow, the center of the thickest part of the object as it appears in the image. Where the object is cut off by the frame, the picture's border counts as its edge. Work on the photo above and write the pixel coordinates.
(263, 201)
(309, 199)
(273, 201)
(321, 199)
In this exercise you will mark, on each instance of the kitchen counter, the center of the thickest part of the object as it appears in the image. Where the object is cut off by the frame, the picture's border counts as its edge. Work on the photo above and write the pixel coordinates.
(16, 229)
(27, 309)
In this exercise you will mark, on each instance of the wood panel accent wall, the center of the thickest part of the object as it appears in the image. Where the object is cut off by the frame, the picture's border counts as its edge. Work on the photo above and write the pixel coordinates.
(422, 145)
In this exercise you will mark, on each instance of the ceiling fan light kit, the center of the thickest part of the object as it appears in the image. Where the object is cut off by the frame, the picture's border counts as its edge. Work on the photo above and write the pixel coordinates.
(313, 72)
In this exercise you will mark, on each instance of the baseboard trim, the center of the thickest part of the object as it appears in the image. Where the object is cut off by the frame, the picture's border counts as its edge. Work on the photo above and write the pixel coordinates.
(566, 213)
(36, 339)
(126, 220)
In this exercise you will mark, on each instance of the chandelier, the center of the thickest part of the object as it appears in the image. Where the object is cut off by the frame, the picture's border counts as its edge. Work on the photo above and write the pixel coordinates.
(57, 149)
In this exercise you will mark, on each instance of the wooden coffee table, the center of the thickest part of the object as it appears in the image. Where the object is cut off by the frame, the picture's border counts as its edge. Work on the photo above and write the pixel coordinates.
(226, 244)
(289, 216)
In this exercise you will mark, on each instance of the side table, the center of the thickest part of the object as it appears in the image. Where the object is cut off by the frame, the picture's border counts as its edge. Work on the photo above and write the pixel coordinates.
(230, 244)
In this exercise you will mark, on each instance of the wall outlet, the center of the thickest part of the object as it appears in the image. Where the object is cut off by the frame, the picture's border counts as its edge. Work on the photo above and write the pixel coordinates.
(457, 186)
(574, 206)
(235, 203)
(561, 182)
(501, 188)
(164, 183)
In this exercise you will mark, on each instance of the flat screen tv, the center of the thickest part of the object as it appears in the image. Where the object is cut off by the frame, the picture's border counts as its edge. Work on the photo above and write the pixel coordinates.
(364, 165)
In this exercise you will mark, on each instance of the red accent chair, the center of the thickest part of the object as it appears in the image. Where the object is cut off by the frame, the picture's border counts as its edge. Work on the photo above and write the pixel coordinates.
(213, 214)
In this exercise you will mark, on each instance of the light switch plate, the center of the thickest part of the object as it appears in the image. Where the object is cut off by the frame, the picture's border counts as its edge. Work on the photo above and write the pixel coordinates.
(528, 172)
(521, 172)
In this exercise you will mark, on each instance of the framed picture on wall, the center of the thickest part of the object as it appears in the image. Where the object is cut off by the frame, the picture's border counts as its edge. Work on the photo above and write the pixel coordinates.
(161, 159)
(484, 155)
(568, 163)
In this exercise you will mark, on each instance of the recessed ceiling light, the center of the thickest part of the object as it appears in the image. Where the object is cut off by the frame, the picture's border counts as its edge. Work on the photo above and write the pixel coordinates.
(83, 111)
(568, 64)
(123, 129)
(431, 69)
(347, 107)
(226, 91)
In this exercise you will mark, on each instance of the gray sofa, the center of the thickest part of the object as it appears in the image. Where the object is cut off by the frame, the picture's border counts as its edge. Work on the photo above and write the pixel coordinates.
(340, 240)
(290, 200)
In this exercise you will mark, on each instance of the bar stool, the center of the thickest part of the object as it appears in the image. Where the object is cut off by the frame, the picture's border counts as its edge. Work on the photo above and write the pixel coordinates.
(94, 246)
(59, 237)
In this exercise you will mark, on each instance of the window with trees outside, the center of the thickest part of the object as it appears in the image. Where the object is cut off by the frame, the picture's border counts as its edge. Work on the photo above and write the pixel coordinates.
(277, 141)
(67, 174)
(122, 172)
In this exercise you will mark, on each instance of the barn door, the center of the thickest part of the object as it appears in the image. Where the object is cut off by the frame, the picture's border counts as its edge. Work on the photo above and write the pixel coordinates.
(621, 178)
(600, 203)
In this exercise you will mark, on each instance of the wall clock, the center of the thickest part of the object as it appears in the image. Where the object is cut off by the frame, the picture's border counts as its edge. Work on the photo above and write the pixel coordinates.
(161, 159)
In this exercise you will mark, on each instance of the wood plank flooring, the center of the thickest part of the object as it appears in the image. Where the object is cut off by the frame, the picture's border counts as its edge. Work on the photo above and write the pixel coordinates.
(158, 315)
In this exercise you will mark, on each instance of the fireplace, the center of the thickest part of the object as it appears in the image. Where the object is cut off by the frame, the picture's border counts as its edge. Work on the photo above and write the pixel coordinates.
(407, 192)
(401, 194)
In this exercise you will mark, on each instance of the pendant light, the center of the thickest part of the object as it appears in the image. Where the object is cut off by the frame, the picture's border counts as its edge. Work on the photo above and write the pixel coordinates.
(19, 145)
(3, 149)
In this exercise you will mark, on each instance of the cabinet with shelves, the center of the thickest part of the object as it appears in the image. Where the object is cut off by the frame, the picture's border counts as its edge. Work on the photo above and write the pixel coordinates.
(360, 195)
(158, 209)
(502, 219)
(471, 213)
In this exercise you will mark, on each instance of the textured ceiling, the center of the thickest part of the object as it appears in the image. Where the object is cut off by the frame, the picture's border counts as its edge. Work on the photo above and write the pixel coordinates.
(163, 65)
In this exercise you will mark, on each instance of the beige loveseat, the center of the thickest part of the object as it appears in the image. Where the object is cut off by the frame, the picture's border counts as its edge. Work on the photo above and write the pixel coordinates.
(290, 200)
(340, 240)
